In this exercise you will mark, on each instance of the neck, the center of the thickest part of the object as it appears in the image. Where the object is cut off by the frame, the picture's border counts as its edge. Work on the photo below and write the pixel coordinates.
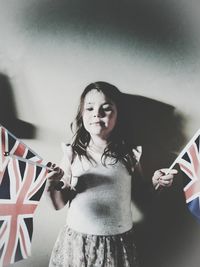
(98, 144)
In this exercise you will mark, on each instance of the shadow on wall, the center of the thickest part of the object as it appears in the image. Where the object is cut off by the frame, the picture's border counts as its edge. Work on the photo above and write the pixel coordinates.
(162, 237)
(8, 112)
(156, 24)
(154, 123)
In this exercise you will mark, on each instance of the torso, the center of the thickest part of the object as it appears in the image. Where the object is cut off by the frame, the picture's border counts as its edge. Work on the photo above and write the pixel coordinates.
(103, 207)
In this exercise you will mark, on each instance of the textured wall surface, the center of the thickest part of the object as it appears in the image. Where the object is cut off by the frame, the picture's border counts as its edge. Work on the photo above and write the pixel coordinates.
(50, 50)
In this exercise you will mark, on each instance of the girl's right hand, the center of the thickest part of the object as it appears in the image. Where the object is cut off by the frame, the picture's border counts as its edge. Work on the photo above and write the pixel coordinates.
(54, 177)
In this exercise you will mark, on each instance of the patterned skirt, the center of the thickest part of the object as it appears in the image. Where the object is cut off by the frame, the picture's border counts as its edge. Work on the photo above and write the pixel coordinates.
(74, 249)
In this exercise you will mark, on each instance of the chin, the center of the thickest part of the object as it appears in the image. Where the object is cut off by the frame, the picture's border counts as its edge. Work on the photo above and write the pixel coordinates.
(96, 133)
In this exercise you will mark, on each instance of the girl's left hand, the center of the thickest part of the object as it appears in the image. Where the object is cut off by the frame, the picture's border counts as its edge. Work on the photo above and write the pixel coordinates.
(160, 178)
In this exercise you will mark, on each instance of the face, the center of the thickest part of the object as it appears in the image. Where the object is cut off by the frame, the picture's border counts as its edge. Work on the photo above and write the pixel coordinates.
(99, 114)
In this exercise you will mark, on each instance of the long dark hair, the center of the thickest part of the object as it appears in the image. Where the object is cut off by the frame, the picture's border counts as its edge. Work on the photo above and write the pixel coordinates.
(118, 146)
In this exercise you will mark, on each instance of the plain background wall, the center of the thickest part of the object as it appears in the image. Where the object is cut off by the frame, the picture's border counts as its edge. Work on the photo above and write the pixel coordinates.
(50, 50)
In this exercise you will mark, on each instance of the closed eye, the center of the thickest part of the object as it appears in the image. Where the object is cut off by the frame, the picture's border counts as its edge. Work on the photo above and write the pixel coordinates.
(89, 109)
(107, 109)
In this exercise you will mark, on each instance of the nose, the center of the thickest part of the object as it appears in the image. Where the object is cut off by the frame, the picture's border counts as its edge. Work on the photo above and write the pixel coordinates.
(98, 113)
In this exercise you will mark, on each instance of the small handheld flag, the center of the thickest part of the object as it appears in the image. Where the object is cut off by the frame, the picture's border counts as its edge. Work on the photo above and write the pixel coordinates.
(189, 162)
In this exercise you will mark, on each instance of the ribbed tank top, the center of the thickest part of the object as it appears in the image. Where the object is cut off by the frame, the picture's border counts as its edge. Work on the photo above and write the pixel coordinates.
(103, 204)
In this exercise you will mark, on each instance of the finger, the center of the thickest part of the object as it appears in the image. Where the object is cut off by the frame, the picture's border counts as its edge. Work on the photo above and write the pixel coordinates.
(49, 164)
(50, 174)
(167, 177)
(59, 170)
(158, 174)
(165, 183)
(55, 175)
(59, 173)
(173, 171)
(166, 171)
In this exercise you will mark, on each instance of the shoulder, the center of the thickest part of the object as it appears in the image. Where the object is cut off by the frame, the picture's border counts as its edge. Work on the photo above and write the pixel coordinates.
(137, 152)
(67, 151)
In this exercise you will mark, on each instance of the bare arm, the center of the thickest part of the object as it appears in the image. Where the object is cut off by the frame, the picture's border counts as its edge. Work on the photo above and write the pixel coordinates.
(61, 197)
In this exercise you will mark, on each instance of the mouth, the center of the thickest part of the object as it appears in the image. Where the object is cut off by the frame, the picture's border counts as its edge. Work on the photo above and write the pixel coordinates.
(101, 123)
(97, 122)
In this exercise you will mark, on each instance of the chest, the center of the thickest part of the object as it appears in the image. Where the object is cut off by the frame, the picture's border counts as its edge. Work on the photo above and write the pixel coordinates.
(113, 177)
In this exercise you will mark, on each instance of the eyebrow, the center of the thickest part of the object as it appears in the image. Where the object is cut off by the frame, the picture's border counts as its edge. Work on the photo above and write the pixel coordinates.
(106, 103)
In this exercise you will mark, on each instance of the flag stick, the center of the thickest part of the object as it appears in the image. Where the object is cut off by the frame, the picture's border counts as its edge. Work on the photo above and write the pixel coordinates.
(19, 140)
(6, 142)
(31, 162)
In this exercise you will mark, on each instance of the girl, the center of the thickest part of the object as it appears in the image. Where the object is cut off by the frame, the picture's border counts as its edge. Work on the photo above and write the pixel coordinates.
(96, 173)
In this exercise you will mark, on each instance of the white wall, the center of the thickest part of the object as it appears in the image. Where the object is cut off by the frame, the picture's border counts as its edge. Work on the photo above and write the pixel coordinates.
(50, 57)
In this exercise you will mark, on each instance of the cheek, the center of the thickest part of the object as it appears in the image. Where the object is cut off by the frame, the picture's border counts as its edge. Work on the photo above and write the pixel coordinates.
(113, 120)
(85, 120)
(85, 116)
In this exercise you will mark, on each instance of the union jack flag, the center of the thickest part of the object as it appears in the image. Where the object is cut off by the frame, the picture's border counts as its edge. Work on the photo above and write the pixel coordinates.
(10, 144)
(189, 162)
(21, 188)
